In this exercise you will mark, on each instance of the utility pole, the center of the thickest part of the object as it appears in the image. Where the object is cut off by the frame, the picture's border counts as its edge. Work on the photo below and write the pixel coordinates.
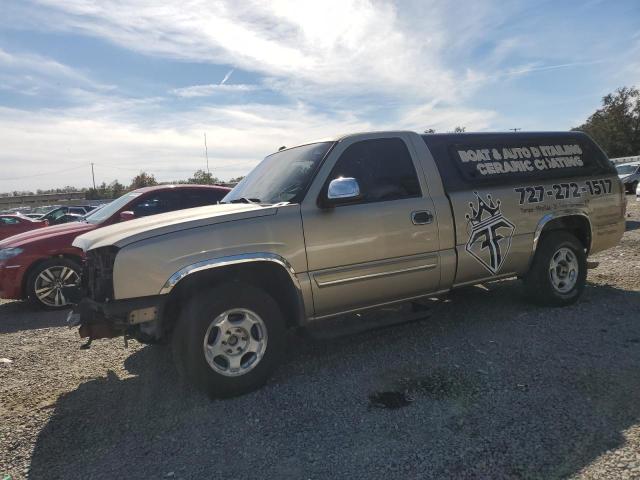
(515, 129)
(206, 152)
(93, 176)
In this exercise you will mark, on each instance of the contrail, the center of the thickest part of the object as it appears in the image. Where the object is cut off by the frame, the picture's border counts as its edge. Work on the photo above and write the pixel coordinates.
(226, 77)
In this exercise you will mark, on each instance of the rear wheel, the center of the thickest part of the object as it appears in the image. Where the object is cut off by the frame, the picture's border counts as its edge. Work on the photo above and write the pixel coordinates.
(559, 271)
(46, 282)
(229, 341)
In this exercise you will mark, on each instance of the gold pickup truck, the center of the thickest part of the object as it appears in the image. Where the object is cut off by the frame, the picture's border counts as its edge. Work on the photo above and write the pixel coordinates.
(360, 221)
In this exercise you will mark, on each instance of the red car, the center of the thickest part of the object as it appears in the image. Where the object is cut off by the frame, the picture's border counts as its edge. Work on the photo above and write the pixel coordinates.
(11, 225)
(38, 264)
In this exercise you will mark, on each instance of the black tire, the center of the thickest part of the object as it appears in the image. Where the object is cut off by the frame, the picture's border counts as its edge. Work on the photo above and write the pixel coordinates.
(55, 265)
(191, 329)
(633, 188)
(539, 284)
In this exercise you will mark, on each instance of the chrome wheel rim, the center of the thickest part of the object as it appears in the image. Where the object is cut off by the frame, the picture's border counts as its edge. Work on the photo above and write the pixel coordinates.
(50, 282)
(563, 270)
(235, 342)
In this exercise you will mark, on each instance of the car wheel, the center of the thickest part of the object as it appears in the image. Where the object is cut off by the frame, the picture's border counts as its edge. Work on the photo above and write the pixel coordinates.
(559, 271)
(45, 284)
(228, 342)
(634, 187)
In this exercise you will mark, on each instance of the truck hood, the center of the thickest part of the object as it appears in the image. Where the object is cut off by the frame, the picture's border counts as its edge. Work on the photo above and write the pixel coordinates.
(131, 231)
(46, 233)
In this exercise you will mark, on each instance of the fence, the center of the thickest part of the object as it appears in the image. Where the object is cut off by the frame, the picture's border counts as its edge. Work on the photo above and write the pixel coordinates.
(635, 158)
(39, 200)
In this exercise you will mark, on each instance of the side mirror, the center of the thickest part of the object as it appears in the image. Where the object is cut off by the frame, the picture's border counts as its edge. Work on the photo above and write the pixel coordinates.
(343, 190)
(127, 215)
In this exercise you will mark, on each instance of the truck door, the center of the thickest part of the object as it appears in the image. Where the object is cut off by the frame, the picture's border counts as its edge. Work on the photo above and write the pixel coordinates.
(381, 247)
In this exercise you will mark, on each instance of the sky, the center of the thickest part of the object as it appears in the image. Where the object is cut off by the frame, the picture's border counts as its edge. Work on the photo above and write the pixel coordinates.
(133, 85)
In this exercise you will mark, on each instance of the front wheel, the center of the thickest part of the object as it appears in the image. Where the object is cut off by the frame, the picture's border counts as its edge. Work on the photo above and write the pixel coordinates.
(46, 283)
(229, 341)
(559, 271)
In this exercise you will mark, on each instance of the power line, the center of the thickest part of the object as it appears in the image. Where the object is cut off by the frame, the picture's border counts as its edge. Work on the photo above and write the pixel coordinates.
(132, 169)
(39, 174)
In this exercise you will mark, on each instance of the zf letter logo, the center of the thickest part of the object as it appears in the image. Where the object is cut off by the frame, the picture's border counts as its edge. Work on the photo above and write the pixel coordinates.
(491, 233)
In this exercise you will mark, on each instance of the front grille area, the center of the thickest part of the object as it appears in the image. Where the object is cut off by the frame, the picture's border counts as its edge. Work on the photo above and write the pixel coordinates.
(97, 273)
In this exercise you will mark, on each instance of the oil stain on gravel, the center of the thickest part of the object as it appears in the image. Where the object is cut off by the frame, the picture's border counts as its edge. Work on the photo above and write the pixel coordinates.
(438, 385)
(390, 399)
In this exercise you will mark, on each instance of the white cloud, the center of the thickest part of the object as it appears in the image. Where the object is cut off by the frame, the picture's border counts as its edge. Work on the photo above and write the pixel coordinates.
(212, 89)
(38, 64)
(237, 136)
(35, 75)
(338, 45)
(114, 138)
(446, 119)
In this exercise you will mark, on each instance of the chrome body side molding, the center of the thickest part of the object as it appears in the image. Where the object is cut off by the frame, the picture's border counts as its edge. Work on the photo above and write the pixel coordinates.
(330, 283)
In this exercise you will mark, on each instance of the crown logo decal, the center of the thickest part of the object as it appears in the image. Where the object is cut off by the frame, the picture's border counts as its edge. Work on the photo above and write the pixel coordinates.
(490, 233)
(485, 210)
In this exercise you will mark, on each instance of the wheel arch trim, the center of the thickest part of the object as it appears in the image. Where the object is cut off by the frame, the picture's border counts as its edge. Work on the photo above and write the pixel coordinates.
(556, 215)
(220, 262)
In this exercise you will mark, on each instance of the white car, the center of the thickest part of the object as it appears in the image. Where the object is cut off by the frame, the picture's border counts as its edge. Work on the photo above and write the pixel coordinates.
(629, 175)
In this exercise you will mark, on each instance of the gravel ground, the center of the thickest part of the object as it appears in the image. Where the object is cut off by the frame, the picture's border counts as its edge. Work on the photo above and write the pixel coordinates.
(485, 387)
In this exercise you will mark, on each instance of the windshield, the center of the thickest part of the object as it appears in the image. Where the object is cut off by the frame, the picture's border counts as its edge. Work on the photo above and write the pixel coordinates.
(280, 177)
(101, 214)
(55, 214)
(626, 169)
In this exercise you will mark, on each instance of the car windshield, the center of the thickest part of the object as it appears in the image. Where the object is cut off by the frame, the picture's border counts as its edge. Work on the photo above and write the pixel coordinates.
(280, 177)
(626, 169)
(101, 214)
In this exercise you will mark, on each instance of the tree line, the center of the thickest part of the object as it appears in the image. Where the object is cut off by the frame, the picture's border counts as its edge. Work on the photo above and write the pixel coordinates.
(116, 189)
(616, 125)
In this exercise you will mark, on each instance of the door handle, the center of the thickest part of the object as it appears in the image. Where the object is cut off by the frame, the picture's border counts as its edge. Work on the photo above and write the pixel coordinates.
(421, 217)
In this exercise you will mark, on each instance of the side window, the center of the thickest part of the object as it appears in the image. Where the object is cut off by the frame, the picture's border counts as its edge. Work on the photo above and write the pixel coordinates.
(382, 167)
(194, 197)
(58, 214)
(9, 220)
(155, 203)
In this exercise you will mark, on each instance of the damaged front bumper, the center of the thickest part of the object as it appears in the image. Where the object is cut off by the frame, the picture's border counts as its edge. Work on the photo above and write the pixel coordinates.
(114, 318)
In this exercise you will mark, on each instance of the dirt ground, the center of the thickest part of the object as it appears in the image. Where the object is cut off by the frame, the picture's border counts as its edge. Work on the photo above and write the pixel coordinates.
(485, 386)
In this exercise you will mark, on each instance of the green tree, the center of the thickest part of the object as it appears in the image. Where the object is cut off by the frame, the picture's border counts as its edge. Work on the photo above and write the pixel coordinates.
(143, 179)
(93, 194)
(201, 177)
(237, 179)
(116, 189)
(616, 126)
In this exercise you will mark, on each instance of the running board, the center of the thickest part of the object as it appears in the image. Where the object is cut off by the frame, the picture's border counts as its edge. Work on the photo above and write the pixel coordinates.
(357, 323)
